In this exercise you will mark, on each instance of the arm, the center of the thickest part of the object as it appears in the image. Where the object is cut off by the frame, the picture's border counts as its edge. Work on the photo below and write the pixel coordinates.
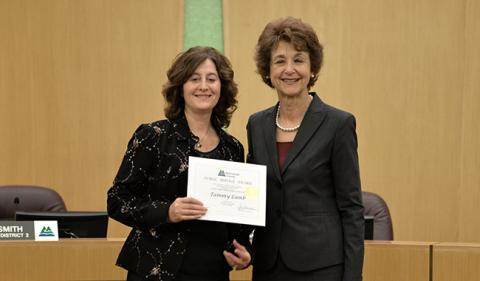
(349, 198)
(250, 158)
(128, 199)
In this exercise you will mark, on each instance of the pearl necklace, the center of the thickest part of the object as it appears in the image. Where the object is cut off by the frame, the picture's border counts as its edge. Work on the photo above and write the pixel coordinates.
(288, 130)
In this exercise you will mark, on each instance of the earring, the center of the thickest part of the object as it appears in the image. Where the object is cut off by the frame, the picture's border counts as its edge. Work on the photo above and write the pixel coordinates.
(267, 77)
(313, 75)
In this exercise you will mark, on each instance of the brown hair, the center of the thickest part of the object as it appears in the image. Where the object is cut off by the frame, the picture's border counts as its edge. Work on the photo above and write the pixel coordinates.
(291, 30)
(183, 67)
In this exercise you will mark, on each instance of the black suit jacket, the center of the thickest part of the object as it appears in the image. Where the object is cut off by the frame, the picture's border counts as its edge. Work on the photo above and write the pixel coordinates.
(314, 213)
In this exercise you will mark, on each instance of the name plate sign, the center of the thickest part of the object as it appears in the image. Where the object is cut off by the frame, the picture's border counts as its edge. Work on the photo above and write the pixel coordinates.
(17, 230)
(29, 230)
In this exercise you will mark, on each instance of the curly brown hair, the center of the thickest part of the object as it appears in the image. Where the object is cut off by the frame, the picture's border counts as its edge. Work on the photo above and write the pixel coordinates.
(291, 30)
(183, 67)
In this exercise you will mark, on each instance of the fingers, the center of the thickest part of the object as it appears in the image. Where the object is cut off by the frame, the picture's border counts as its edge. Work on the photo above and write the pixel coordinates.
(185, 208)
(238, 245)
(241, 259)
(237, 262)
(190, 200)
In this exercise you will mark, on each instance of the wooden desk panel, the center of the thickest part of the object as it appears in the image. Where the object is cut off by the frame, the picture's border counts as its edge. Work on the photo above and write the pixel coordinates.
(94, 259)
(456, 261)
(70, 259)
(397, 261)
(385, 260)
(241, 275)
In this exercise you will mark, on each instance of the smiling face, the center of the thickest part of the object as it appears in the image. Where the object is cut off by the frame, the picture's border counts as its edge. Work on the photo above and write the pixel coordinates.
(289, 70)
(202, 90)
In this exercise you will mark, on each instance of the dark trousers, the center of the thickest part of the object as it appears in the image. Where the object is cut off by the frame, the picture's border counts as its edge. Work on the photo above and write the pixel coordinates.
(280, 272)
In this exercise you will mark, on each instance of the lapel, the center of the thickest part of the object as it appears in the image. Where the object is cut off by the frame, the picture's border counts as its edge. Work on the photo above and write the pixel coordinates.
(182, 131)
(311, 122)
(269, 136)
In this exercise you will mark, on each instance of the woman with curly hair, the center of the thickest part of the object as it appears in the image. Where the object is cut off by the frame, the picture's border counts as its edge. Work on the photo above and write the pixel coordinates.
(149, 193)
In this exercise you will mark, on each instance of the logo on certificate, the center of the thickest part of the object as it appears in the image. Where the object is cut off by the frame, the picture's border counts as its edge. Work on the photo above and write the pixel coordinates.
(221, 173)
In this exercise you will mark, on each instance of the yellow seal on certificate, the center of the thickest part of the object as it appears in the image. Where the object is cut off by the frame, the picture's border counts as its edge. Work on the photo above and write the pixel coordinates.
(233, 192)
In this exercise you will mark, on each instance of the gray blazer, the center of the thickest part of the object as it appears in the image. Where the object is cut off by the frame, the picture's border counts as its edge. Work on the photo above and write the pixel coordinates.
(314, 213)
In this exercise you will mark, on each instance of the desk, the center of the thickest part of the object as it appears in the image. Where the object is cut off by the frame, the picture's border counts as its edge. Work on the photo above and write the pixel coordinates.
(67, 259)
(94, 259)
(386, 260)
(456, 261)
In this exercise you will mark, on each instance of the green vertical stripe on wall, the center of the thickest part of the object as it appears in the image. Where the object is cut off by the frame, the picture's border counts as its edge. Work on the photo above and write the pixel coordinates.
(203, 24)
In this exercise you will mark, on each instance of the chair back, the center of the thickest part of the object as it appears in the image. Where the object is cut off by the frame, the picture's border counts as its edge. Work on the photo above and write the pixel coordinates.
(375, 206)
(28, 198)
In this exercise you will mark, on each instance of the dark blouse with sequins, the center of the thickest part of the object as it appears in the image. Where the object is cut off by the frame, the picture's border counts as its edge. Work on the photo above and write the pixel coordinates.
(152, 175)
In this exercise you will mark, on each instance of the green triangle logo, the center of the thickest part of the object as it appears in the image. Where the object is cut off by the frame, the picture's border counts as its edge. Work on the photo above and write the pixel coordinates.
(46, 232)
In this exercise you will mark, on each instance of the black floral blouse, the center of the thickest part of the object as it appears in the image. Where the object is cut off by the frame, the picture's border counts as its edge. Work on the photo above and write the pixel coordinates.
(152, 175)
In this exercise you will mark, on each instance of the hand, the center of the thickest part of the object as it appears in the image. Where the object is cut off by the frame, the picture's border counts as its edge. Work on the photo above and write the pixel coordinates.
(185, 208)
(241, 259)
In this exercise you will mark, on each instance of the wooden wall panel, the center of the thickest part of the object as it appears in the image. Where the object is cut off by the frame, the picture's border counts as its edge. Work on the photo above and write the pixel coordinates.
(77, 78)
(469, 195)
(402, 76)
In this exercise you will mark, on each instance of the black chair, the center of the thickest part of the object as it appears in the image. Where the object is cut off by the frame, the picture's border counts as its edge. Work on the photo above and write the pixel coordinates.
(375, 206)
(28, 198)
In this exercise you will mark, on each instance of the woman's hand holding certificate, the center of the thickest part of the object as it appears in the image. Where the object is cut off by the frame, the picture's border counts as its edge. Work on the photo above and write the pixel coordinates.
(185, 208)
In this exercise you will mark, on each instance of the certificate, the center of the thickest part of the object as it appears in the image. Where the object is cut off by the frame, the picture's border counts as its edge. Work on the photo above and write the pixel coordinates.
(231, 191)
